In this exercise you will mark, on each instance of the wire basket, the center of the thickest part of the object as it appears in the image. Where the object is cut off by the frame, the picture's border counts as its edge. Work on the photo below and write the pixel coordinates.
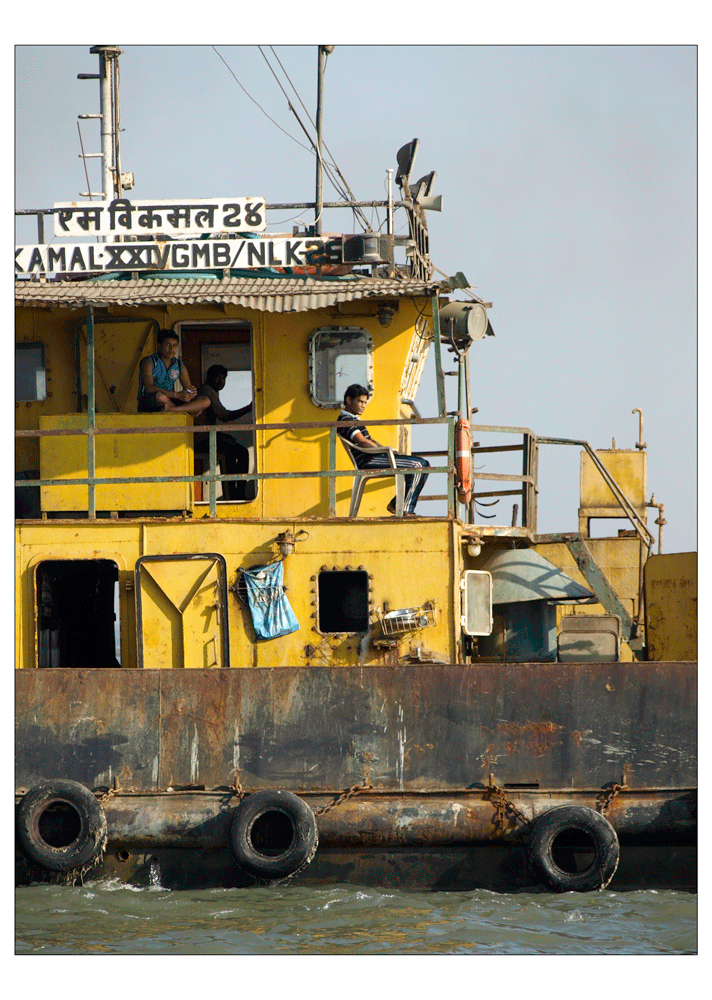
(406, 619)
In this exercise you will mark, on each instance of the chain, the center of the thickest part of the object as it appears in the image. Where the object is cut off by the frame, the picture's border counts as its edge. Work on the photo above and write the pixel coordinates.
(607, 795)
(349, 793)
(237, 786)
(503, 805)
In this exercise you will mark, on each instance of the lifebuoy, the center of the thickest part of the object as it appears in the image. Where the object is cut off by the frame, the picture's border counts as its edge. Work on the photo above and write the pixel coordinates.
(565, 833)
(463, 460)
(61, 825)
(273, 834)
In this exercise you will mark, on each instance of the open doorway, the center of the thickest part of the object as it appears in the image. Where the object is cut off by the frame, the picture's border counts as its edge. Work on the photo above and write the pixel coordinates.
(78, 613)
(228, 344)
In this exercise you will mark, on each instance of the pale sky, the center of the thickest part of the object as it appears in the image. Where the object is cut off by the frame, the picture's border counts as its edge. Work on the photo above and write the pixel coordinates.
(569, 183)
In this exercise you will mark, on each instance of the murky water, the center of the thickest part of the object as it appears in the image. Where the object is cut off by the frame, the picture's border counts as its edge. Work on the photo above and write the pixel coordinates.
(111, 918)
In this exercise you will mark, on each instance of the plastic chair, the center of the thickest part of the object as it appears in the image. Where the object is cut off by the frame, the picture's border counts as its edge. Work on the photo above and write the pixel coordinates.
(360, 481)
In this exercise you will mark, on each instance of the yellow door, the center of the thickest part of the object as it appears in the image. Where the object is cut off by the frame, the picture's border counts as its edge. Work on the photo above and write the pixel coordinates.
(181, 609)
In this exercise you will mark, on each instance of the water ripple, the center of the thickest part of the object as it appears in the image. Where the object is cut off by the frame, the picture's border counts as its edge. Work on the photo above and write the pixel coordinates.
(112, 918)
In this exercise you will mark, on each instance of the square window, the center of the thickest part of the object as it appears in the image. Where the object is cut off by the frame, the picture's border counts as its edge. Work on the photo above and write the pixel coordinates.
(338, 357)
(343, 601)
(30, 381)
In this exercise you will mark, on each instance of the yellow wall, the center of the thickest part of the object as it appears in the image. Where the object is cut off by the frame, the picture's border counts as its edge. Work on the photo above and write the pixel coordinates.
(281, 363)
(671, 606)
(409, 566)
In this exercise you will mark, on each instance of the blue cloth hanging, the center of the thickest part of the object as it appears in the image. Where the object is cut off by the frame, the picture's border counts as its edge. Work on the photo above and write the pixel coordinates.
(271, 612)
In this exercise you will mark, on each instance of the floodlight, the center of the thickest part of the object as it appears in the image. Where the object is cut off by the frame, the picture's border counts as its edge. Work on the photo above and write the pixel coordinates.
(406, 158)
(464, 321)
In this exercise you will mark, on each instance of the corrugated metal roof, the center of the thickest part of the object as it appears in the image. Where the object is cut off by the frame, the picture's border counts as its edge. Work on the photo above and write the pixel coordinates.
(266, 294)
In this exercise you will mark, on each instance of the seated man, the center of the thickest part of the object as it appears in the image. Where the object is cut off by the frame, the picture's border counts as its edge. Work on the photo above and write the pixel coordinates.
(355, 400)
(233, 457)
(158, 372)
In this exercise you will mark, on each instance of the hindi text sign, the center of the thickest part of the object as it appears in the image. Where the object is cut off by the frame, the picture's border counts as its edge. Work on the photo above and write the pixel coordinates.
(145, 218)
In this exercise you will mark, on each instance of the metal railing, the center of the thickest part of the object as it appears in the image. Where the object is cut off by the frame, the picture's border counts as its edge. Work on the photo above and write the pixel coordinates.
(213, 477)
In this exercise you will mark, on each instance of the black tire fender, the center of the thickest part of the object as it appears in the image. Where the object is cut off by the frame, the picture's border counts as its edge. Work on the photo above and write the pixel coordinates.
(61, 825)
(594, 834)
(273, 834)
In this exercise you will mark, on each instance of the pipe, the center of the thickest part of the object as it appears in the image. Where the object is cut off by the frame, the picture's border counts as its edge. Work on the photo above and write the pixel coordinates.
(660, 521)
(640, 444)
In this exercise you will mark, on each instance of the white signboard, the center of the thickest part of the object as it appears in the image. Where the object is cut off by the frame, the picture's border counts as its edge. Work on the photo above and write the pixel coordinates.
(136, 218)
(183, 255)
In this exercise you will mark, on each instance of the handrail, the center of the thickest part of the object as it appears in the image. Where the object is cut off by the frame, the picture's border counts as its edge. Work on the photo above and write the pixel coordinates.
(641, 528)
(212, 477)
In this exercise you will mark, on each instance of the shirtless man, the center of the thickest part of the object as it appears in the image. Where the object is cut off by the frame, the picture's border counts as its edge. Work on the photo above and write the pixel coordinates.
(158, 372)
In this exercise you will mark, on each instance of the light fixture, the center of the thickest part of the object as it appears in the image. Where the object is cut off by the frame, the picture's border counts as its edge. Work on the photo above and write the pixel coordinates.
(474, 545)
(406, 158)
(464, 322)
(286, 541)
(386, 312)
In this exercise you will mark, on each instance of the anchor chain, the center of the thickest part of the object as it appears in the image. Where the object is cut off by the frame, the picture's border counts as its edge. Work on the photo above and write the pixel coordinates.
(236, 786)
(504, 806)
(607, 794)
(349, 793)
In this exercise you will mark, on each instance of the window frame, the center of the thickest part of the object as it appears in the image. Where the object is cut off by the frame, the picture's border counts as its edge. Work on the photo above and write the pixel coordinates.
(314, 388)
(359, 570)
(20, 348)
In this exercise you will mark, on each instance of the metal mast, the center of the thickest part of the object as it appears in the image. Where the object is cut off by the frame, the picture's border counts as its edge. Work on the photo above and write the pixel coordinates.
(113, 181)
(324, 51)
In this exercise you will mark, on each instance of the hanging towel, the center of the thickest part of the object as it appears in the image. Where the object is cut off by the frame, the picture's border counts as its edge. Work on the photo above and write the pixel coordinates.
(271, 612)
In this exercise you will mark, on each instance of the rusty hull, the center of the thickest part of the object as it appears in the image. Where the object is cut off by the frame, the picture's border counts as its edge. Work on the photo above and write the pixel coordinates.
(423, 727)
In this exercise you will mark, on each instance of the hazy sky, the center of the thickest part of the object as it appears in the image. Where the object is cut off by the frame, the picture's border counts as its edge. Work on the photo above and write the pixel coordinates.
(568, 176)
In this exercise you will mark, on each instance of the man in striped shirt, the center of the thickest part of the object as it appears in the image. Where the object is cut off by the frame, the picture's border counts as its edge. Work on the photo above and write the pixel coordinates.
(353, 432)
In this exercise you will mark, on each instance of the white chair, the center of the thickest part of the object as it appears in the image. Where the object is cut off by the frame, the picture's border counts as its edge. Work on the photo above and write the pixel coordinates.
(360, 481)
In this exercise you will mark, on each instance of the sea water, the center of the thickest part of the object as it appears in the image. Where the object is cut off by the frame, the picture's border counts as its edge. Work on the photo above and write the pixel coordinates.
(108, 917)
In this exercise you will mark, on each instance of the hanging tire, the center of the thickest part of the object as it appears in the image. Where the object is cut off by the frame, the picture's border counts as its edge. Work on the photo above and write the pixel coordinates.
(61, 826)
(564, 837)
(273, 834)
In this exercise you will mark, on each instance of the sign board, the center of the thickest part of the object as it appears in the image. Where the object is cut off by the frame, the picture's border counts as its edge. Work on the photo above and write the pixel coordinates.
(178, 255)
(145, 218)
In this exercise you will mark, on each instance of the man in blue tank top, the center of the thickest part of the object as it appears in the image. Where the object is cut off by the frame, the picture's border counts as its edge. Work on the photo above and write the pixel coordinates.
(157, 374)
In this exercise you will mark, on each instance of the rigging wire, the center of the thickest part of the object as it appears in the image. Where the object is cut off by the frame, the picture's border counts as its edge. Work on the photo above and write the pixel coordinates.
(333, 159)
(259, 105)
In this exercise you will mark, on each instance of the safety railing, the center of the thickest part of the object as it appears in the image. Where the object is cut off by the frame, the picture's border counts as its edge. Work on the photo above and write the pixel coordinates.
(212, 478)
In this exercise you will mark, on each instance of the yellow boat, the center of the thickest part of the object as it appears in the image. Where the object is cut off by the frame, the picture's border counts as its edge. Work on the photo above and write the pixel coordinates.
(215, 691)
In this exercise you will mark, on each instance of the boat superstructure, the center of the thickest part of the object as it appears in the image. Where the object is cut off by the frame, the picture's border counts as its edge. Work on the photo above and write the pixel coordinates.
(458, 699)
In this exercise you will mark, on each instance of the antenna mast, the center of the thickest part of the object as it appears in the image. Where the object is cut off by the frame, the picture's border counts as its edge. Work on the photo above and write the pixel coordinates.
(113, 181)
(324, 51)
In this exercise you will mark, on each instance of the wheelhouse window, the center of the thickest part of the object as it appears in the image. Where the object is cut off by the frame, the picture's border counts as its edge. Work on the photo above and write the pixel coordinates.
(30, 379)
(78, 613)
(338, 357)
(343, 601)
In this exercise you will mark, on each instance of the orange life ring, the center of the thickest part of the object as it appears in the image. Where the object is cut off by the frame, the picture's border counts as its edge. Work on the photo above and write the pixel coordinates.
(463, 460)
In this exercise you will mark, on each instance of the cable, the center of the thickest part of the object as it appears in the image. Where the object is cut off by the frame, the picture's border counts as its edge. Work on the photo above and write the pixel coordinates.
(340, 190)
(259, 105)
